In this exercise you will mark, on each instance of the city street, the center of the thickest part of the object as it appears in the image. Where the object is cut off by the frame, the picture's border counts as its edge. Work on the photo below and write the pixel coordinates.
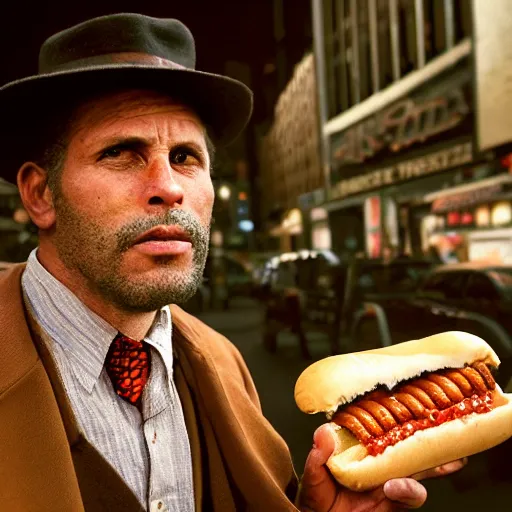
(275, 376)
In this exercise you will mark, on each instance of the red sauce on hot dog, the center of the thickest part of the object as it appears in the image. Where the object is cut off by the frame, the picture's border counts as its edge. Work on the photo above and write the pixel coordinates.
(419, 404)
(475, 403)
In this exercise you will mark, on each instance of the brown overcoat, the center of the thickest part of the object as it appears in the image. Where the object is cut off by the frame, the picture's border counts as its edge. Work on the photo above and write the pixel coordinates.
(239, 461)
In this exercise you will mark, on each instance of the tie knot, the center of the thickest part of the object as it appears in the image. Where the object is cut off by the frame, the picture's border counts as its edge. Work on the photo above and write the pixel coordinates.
(127, 365)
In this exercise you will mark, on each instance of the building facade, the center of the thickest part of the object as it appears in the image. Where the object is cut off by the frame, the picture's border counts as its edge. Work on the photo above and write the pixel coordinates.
(290, 158)
(405, 168)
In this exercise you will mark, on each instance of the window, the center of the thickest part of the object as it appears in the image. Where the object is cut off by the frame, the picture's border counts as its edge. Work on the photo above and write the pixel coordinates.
(407, 36)
(331, 39)
(384, 44)
(434, 28)
(462, 19)
(365, 58)
(480, 287)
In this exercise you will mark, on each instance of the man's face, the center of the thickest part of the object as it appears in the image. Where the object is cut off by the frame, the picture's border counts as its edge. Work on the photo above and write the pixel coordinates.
(134, 201)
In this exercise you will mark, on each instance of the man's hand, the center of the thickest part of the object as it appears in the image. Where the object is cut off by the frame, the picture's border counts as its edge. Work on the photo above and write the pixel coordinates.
(321, 493)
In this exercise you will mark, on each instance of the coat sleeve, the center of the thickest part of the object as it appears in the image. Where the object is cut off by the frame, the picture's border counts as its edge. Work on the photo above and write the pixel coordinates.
(246, 376)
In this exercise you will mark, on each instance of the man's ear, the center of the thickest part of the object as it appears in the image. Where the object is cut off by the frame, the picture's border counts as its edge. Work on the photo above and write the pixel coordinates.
(36, 195)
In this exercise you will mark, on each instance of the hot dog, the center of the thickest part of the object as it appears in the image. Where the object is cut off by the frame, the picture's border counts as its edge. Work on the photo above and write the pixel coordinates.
(406, 408)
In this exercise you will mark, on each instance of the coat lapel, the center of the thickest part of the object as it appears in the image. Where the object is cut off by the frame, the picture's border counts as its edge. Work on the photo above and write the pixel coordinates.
(51, 465)
(36, 469)
(101, 487)
(248, 464)
(210, 478)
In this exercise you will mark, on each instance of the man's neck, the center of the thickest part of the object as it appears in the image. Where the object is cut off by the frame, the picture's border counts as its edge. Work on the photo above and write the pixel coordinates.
(135, 325)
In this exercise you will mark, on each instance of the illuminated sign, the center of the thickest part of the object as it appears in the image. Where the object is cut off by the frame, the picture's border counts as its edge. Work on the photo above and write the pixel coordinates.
(458, 154)
(463, 199)
(400, 126)
(483, 216)
(501, 214)
(369, 154)
(372, 222)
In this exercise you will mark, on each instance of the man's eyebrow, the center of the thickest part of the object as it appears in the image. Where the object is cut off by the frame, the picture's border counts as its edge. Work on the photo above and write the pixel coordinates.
(133, 141)
(138, 141)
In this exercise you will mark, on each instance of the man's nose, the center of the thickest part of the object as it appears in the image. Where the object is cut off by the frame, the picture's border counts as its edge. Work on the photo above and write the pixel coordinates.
(163, 185)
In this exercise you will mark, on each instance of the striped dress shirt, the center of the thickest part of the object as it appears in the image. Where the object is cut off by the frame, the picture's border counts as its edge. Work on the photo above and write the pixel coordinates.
(150, 451)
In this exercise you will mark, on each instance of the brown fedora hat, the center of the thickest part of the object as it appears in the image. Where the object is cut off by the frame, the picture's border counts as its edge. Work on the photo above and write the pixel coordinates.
(118, 51)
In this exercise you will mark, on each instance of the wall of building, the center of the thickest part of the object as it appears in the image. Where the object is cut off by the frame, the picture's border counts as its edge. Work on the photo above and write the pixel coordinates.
(289, 152)
(400, 119)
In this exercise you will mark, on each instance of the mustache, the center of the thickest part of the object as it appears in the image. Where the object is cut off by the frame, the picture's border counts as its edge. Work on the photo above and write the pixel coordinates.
(197, 232)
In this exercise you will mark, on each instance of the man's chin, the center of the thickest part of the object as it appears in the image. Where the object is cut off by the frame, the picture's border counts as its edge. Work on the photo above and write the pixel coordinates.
(152, 298)
(175, 287)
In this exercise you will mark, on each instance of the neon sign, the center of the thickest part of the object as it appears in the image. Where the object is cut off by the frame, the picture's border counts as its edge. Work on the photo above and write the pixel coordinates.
(403, 124)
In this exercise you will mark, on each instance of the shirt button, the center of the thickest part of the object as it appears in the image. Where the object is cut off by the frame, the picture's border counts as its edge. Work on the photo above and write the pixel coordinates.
(158, 506)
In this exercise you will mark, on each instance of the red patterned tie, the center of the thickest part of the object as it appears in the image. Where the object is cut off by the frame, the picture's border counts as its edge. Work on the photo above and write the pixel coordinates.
(127, 365)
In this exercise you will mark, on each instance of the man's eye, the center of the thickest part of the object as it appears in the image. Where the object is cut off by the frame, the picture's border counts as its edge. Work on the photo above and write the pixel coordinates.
(181, 156)
(111, 153)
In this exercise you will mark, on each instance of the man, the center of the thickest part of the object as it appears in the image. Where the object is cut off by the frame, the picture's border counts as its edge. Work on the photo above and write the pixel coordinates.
(109, 398)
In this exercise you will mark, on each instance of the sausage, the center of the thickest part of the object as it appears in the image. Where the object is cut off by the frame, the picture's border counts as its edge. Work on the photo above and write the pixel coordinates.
(420, 395)
(437, 395)
(462, 383)
(399, 411)
(449, 387)
(379, 412)
(413, 404)
(486, 374)
(475, 379)
(366, 419)
(351, 423)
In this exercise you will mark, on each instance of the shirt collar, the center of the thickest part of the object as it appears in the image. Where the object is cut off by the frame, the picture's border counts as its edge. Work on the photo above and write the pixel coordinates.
(83, 336)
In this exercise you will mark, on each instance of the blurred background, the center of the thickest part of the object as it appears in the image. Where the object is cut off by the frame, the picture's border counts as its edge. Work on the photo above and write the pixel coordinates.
(368, 202)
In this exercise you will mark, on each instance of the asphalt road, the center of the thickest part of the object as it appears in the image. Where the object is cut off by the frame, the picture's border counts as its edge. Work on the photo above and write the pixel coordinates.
(474, 488)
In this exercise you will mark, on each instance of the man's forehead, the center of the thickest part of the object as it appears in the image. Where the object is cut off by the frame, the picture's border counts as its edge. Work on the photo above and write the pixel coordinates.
(132, 104)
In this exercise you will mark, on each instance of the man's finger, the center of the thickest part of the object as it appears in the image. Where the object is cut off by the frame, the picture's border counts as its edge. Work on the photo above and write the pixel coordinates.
(406, 491)
(445, 469)
(318, 490)
(325, 443)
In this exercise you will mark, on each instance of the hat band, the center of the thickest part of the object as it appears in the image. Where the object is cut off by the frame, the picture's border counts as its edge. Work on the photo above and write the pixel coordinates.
(119, 58)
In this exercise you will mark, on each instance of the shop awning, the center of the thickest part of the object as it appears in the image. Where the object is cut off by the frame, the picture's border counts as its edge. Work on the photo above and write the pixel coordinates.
(468, 195)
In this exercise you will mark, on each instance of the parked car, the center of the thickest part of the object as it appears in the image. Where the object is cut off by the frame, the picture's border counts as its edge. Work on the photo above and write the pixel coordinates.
(302, 293)
(374, 294)
(466, 297)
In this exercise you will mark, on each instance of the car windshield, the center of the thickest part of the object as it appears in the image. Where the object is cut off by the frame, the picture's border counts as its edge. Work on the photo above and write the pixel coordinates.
(393, 277)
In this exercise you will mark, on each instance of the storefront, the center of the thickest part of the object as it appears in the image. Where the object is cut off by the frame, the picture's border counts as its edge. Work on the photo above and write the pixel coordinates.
(290, 231)
(316, 229)
(471, 222)
(392, 164)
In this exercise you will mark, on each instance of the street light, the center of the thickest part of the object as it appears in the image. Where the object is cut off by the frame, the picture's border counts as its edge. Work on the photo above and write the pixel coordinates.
(224, 192)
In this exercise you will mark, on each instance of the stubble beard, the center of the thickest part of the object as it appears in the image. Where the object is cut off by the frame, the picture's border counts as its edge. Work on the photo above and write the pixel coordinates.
(88, 248)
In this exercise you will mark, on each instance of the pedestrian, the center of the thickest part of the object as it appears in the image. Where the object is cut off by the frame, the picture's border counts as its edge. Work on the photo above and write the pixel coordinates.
(109, 398)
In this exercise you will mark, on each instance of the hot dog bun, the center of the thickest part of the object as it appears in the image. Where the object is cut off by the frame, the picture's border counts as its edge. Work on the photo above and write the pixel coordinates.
(337, 380)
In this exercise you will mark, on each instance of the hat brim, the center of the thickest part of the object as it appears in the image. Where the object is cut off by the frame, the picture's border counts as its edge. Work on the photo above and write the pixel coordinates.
(223, 104)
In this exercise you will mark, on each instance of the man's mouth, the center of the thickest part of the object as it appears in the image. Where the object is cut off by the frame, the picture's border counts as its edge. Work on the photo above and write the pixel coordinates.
(164, 241)
(163, 234)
